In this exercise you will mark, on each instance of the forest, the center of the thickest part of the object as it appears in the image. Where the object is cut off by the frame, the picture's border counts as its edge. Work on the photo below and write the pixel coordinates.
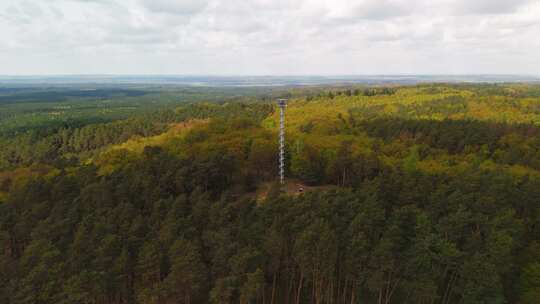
(419, 194)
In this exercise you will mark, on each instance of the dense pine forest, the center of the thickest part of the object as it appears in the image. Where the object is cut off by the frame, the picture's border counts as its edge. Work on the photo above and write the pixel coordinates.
(411, 194)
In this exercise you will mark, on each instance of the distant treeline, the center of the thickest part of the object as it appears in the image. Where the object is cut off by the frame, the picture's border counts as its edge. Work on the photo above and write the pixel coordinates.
(354, 92)
(41, 96)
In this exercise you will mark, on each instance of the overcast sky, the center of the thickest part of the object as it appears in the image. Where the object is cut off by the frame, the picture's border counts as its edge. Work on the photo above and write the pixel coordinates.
(269, 37)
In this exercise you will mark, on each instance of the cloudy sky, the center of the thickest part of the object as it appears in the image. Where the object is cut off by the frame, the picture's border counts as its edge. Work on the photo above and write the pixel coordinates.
(269, 37)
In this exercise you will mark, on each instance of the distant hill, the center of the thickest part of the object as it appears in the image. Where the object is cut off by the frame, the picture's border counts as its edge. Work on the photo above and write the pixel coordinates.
(243, 81)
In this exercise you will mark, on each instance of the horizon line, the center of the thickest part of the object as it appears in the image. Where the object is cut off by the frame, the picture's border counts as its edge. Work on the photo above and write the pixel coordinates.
(265, 75)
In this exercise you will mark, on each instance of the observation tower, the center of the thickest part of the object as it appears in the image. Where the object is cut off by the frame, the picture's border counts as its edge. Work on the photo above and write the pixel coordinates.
(282, 103)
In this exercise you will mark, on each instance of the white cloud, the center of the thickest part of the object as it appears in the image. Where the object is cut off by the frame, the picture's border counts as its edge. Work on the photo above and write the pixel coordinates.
(183, 7)
(269, 36)
(371, 9)
(489, 6)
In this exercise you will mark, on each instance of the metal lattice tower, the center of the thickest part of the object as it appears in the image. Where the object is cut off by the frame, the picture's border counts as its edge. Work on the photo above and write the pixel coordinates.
(282, 104)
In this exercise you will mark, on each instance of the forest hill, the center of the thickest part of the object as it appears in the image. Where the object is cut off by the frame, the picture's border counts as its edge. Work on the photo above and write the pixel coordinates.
(421, 210)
